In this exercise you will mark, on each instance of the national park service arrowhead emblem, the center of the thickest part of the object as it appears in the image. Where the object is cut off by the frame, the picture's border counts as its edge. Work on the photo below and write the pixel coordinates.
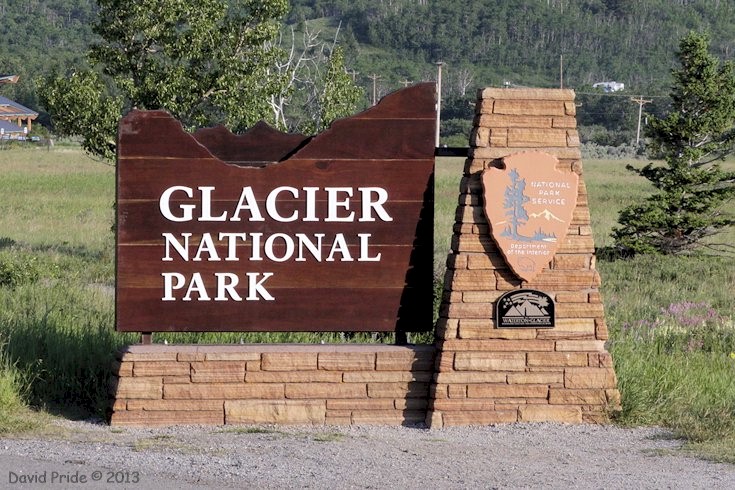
(529, 206)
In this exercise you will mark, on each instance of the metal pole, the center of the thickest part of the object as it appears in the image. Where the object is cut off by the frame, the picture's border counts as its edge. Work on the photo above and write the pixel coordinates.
(438, 101)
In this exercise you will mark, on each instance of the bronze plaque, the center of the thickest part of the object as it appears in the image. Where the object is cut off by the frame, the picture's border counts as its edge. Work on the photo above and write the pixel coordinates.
(525, 308)
(269, 231)
(529, 206)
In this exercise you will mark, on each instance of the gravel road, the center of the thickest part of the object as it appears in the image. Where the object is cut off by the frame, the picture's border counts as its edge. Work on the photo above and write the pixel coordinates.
(88, 455)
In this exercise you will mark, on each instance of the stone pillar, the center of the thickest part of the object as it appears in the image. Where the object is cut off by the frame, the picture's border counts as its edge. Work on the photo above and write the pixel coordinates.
(487, 375)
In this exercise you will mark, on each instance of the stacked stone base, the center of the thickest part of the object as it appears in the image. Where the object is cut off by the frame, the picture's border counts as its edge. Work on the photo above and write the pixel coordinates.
(488, 375)
(272, 384)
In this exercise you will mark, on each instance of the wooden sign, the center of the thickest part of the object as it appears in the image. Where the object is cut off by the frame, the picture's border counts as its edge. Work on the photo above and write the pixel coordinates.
(269, 231)
(529, 206)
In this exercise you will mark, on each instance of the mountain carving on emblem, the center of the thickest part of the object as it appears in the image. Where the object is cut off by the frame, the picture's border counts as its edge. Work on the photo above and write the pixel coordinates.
(545, 214)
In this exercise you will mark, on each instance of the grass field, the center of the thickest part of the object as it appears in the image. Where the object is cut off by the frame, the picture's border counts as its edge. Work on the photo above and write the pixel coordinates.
(671, 318)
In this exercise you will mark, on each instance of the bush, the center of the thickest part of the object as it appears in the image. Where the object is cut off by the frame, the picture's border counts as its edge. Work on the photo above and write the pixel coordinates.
(18, 269)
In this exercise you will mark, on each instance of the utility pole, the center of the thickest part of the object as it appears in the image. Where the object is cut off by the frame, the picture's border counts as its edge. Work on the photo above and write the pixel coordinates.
(438, 101)
(640, 101)
(353, 73)
(374, 78)
(405, 83)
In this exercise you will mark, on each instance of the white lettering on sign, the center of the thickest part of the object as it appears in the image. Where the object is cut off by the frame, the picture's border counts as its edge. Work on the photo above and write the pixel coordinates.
(340, 206)
(285, 204)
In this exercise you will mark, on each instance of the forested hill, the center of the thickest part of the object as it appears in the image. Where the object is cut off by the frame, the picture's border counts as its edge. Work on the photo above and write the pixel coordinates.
(521, 41)
(481, 42)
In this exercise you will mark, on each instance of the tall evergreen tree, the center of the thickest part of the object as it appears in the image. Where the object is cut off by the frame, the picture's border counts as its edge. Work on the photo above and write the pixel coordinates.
(692, 138)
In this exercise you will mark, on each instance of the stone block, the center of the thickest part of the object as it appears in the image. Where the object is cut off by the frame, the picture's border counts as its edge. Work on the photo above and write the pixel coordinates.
(580, 345)
(139, 387)
(411, 404)
(223, 391)
(550, 413)
(398, 390)
(557, 359)
(571, 261)
(490, 361)
(447, 328)
(409, 359)
(160, 368)
(506, 280)
(477, 331)
(346, 361)
(445, 362)
(587, 377)
(564, 122)
(218, 371)
(288, 361)
(190, 356)
(576, 244)
(572, 138)
(151, 355)
(548, 378)
(176, 405)
(388, 417)
(167, 380)
(507, 391)
(558, 396)
(490, 153)
(480, 136)
(469, 310)
(457, 391)
(529, 107)
(275, 412)
(387, 377)
(360, 404)
(293, 377)
(464, 404)
(498, 345)
(119, 404)
(471, 377)
(509, 121)
(579, 310)
(493, 93)
(122, 368)
(455, 419)
(486, 261)
(499, 137)
(480, 296)
(252, 365)
(326, 390)
(232, 356)
(570, 108)
(571, 297)
(525, 137)
(569, 279)
(142, 418)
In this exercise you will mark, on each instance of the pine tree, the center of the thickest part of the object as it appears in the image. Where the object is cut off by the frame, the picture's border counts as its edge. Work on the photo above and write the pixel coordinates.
(692, 138)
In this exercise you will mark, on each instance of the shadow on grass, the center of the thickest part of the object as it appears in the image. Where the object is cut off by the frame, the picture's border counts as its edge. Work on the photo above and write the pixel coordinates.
(63, 341)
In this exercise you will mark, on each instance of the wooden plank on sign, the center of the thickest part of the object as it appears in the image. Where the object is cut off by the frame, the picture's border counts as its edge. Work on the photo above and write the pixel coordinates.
(268, 231)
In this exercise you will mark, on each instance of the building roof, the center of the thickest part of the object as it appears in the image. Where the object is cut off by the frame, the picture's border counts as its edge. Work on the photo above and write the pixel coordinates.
(7, 127)
(9, 108)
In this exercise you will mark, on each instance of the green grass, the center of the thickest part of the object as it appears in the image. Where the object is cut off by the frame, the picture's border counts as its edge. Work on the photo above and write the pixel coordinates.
(671, 318)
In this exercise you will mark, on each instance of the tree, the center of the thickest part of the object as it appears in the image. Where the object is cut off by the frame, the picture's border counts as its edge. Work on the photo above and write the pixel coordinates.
(692, 138)
(339, 95)
(204, 61)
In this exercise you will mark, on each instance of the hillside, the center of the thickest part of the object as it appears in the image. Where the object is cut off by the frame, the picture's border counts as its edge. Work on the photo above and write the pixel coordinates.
(481, 42)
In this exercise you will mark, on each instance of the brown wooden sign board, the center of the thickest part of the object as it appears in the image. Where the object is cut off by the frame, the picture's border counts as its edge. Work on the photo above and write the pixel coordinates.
(269, 231)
